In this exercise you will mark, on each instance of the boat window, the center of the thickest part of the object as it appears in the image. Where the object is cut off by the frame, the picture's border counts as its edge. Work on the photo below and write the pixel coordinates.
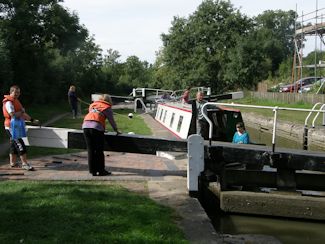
(172, 120)
(224, 120)
(179, 125)
(158, 111)
(165, 116)
(215, 119)
(161, 113)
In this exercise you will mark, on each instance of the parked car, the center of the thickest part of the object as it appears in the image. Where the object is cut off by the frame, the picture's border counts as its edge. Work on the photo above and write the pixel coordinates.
(299, 83)
(309, 87)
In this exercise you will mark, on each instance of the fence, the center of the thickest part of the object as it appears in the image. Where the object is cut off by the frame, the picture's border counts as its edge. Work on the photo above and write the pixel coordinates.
(289, 97)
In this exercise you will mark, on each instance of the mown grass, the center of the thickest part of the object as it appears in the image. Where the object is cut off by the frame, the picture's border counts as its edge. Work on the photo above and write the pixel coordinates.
(82, 212)
(291, 116)
(46, 112)
(124, 123)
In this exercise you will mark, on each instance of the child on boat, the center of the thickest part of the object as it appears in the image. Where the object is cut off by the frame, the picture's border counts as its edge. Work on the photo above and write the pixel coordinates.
(240, 136)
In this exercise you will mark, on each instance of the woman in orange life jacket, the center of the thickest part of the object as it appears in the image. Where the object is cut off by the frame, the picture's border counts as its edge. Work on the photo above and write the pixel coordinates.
(94, 127)
(13, 110)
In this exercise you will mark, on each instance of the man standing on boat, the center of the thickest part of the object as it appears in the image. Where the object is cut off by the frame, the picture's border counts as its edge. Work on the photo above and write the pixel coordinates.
(197, 113)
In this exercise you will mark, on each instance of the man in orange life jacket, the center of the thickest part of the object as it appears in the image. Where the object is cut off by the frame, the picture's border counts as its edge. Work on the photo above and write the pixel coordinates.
(11, 107)
(94, 127)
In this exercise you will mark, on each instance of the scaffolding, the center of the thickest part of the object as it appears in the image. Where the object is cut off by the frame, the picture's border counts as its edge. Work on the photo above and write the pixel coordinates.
(309, 24)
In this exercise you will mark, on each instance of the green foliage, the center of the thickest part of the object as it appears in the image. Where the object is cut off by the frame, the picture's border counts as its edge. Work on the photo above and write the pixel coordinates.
(285, 70)
(196, 49)
(311, 59)
(264, 52)
(134, 73)
(247, 65)
(82, 212)
(275, 31)
(47, 47)
(111, 71)
(5, 63)
(217, 46)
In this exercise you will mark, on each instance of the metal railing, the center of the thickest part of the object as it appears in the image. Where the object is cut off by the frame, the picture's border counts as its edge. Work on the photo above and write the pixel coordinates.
(316, 116)
(172, 95)
(142, 91)
(142, 103)
(321, 108)
(274, 109)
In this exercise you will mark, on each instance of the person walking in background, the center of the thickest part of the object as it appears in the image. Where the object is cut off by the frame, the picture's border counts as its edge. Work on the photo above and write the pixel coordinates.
(240, 136)
(94, 127)
(73, 101)
(14, 123)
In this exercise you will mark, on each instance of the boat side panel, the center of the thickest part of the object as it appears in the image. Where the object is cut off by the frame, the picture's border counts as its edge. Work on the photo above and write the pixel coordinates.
(175, 119)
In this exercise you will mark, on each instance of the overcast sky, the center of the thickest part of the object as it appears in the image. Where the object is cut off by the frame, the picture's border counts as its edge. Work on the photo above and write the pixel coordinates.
(133, 27)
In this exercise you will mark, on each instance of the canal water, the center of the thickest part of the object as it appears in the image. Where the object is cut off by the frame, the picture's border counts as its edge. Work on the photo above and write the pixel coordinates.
(286, 230)
(258, 136)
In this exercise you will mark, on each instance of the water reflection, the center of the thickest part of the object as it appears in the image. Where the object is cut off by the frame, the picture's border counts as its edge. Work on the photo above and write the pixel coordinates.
(285, 230)
(260, 136)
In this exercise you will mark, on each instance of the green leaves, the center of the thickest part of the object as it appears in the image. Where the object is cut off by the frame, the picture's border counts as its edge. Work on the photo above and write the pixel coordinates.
(197, 48)
(42, 39)
(43, 47)
(218, 46)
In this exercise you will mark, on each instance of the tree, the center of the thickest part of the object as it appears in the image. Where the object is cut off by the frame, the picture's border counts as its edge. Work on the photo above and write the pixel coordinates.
(275, 29)
(5, 64)
(39, 35)
(135, 73)
(111, 71)
(196, 49)
(247, 64)
(217, 46)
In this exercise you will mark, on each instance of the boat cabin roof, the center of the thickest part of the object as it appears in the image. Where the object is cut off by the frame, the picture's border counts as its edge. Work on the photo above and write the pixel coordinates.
(188, 107)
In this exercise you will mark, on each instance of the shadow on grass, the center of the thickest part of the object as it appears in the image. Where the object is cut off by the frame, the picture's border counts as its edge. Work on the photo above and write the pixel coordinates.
(58, 212)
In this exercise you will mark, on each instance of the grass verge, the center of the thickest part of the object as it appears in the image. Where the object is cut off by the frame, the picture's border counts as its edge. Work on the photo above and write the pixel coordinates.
(291, 116)
(82, 212)
(124, 123)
